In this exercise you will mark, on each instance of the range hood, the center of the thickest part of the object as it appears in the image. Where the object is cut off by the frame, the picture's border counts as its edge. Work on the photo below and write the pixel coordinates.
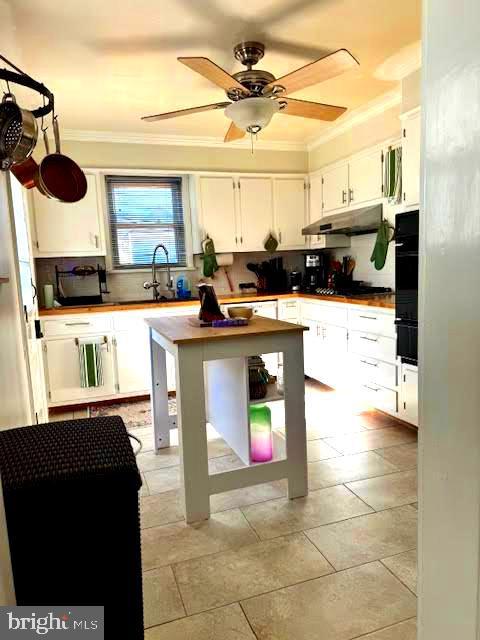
(349, 223)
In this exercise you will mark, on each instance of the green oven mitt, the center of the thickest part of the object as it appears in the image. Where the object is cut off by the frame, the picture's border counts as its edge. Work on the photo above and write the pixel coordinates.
(379, 253)
(209, 258)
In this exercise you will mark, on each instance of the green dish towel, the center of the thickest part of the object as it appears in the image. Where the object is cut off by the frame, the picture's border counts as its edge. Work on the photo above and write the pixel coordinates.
(379, 253)
(393, 175)
(209, 258)
(90, 358)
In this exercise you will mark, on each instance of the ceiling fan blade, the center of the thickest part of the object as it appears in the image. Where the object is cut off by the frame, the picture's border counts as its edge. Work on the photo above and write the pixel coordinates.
(315, 110)
(214, 73)
(233, 133)
(185, 112)
(323, 69)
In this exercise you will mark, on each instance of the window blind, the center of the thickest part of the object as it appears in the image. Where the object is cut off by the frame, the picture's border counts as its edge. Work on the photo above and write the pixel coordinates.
(144, 212)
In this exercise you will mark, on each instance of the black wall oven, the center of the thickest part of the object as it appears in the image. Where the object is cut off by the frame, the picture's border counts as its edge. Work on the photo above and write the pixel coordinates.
(406, 285)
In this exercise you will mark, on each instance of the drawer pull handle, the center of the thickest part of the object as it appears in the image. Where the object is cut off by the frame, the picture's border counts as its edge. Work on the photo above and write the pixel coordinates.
(77, 324)
(371, 364)
(368, 317)
(371, 388)
(369, 339)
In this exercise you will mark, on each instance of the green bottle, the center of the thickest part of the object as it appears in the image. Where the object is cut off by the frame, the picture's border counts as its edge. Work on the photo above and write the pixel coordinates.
(261, 448)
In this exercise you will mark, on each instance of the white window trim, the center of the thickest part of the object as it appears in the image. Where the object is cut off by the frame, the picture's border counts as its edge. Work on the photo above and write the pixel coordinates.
(187, 215)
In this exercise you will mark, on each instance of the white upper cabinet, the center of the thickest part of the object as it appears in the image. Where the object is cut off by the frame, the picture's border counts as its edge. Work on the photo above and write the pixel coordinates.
(256, 212)
(218, 212)
(365, 179)
(411, 158)
(69, 229)
(290, 212)
(315, 198)
(335, 188)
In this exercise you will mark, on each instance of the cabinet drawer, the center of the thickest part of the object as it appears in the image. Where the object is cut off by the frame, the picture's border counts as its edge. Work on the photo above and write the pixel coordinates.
(371, 322)
(366, 370)
(325, 312)
(77, 325)
(372, 345)
(380, 397)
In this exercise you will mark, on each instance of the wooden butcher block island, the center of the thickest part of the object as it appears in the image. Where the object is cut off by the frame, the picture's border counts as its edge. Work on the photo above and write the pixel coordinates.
(212, 386)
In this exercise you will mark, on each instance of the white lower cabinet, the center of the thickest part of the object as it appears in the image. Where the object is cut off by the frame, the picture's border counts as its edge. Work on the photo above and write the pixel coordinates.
(408, 409)
(132, 359)
(63, 371)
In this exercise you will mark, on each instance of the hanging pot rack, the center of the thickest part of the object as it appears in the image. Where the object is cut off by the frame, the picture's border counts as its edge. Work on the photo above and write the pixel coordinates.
(17, 76)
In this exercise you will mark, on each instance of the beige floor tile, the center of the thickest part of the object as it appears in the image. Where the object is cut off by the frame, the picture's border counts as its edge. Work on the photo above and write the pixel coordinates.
(224, 463)
(227, 623)
(320, 450)
(402, 631)
(403, 456)
(340, 606)
(230, 576)
(377, 420)
(149, 460)
(347, 469)
(283, 516)
(161, 599)
(389, 491)
(248, 495)
(373, 439)
(144, 491)
(318, 428)
(367, 538)
(161, 480)
(404, 566)
(161, 508)
(176, 542)
(218, 447)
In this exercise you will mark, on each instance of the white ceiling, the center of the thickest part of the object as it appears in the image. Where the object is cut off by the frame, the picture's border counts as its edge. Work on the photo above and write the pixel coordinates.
(110, 62)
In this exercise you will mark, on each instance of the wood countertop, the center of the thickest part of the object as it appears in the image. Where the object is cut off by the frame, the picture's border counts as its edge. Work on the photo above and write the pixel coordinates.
(181, 330)
(381, 301)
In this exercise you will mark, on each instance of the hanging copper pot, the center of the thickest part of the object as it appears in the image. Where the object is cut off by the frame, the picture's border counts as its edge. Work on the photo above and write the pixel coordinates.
(59, 177)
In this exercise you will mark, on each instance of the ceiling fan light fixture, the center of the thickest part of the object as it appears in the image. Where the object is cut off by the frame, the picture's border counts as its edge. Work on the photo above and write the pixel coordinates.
(252, 114)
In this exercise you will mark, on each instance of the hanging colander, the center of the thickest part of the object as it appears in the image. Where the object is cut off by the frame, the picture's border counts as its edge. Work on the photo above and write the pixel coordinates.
(18, 132)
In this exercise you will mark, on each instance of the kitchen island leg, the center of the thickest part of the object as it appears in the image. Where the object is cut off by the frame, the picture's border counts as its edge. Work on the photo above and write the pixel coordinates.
(192, 431)
(295, 429)
(159, 396)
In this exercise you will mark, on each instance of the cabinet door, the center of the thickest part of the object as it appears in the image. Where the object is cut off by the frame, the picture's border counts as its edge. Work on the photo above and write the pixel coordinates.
(132, 352)
(335, 188)
(315, 210)
(409, 394)
(335, 352)
(63, 371)
(411, 160)
(218, 216)
(365, 178)
(289, 207)
(256, 212)
(69, 229)
(312, 349)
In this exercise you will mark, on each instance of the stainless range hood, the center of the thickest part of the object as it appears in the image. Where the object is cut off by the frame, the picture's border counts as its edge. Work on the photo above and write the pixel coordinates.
(349, 223)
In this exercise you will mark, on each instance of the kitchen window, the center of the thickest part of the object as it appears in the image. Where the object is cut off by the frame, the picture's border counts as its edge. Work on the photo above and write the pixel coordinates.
(144, 212)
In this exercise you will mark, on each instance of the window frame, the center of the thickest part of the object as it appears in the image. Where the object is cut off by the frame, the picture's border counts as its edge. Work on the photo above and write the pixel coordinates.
(187, 217)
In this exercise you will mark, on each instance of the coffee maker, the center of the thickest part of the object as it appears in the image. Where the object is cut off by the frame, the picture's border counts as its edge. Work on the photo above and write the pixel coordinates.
(316, 271)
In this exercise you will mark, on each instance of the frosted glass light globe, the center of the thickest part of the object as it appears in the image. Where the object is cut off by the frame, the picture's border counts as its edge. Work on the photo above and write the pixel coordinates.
(252, 114)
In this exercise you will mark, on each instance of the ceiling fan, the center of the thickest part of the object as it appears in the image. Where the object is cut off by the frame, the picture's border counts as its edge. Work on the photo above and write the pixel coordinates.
(257, 95)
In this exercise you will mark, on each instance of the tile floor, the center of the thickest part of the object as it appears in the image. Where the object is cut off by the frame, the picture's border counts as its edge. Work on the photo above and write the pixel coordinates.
(339, 564)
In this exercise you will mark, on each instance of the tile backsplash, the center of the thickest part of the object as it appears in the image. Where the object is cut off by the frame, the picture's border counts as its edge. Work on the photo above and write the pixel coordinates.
(361, 250)
(129, 286)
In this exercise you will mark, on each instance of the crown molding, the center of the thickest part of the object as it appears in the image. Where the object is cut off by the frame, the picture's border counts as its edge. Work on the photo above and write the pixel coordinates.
(357, 116)
(401, 64)
(78, 135)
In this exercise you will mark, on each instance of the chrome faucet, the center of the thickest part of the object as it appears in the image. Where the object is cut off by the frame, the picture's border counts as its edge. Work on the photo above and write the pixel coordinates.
(154, 284)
